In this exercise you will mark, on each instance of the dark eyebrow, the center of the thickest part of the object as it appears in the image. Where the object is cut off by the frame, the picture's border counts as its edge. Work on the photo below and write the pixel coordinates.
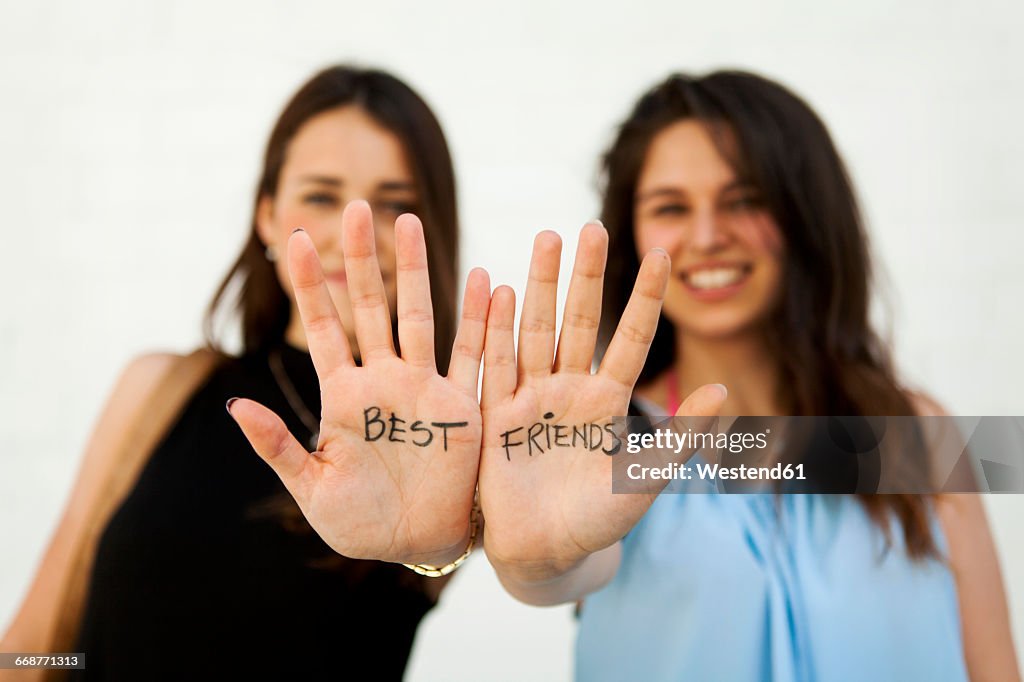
(396, 186)
(659, 192)
(738, 184)
(386, 186)
(734, 185)
(322, 180)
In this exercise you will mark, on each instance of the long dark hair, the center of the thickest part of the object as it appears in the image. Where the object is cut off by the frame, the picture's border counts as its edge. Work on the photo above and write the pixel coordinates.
(830, 359)
(261, 302)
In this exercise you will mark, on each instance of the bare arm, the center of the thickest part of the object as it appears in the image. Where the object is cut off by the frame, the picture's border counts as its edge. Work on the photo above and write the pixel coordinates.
(32, 627)
(984, 616)
(532, 585)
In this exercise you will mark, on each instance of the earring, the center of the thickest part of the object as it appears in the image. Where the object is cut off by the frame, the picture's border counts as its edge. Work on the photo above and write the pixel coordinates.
(270, 253)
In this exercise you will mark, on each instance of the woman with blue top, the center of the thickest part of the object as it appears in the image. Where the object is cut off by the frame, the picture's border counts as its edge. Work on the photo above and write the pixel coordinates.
(738, 181)
(739, 259)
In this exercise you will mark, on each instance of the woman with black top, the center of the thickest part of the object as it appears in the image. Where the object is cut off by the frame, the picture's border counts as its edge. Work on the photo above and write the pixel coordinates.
(207, 568)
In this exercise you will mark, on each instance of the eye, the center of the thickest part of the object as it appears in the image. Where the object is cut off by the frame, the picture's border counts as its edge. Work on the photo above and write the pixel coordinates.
(744, 204)
(396, 207)
(675, 209)
(321, 199)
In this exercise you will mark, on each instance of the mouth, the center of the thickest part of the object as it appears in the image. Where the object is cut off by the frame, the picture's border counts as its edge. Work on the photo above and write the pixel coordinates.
(716, 280)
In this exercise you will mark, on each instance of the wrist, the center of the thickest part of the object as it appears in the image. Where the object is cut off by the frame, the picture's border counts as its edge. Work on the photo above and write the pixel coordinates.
(535, 572)
(445, 561)
(557, 582)
(443, 556)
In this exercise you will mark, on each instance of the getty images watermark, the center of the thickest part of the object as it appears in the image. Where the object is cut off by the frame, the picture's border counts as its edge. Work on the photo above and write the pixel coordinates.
(836, 454)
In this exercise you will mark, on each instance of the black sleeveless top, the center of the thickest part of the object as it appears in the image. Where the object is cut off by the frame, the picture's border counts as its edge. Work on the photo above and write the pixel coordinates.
(195, 579)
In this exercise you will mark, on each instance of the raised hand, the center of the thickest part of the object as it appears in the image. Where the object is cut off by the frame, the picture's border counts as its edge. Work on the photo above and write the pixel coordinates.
(394, 475)
(545, 471)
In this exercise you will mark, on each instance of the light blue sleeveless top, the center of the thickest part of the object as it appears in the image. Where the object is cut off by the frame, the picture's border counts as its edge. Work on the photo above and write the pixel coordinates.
(770, 587)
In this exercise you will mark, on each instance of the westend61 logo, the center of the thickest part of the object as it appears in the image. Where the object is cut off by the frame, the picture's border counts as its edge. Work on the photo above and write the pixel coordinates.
(671, 442)
(821, 454)
(667, 439)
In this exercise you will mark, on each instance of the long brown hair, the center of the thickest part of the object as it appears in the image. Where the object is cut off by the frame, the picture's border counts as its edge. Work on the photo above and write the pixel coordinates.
(261, 303)
(830, 359)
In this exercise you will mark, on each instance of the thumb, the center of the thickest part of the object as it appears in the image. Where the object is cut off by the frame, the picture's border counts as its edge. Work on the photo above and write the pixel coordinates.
(706, 401)
(273, 442)
(698, 414)
(700, 409)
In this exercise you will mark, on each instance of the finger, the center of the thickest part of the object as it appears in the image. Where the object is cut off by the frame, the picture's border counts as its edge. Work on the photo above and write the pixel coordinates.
(464, 368)
(326, 338)
(499, 349)
(627, 351)
(583, 304)
(706, 401)
(365, 285)
(415, 312)
(537, 324)
(697, 415)
(275, 445)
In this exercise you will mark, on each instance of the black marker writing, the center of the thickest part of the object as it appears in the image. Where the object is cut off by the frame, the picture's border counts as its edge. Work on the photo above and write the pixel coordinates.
(506, 443)
(542, 437)
(374, 427)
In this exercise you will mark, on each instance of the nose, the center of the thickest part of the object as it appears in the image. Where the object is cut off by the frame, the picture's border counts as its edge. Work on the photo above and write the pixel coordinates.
(708, 231)
(326, 235)
(330, 241)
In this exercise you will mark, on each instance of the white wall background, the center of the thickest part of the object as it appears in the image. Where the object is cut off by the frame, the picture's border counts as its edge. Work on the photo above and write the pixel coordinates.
(130, 135)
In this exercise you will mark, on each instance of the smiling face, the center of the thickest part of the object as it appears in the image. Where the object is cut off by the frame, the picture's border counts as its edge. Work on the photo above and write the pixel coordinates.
(725, 247)
(337, 156)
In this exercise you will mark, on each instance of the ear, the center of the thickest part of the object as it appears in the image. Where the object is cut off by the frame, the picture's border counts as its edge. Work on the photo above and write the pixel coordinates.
(265, 220)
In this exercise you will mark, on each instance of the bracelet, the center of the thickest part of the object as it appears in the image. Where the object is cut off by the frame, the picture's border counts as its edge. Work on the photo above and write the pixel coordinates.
(438, 571)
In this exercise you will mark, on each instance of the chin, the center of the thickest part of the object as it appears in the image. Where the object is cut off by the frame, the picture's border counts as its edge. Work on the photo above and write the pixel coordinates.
(718, 325)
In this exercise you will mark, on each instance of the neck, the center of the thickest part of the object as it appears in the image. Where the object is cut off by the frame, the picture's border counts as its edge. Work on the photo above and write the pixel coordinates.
(295, 335)
(742, 363)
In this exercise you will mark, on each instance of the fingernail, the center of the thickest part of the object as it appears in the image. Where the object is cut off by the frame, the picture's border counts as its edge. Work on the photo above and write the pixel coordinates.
(723, 389)
(227, 406)
(297, 229)
(597, 221)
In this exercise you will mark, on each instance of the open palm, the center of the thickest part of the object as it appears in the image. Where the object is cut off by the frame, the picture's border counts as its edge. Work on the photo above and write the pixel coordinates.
(395, 470)
(545, 471)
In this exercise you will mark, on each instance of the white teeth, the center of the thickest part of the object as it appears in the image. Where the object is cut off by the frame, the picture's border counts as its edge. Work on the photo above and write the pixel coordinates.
(714, 278)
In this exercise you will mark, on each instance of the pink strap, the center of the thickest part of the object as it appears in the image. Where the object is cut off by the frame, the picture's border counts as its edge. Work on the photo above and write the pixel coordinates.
(672, 391)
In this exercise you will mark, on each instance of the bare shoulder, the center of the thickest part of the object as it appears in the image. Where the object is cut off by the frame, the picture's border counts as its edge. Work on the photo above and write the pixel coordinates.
(956, 511)
(925, 405)
(145, 371)
(137, 381)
